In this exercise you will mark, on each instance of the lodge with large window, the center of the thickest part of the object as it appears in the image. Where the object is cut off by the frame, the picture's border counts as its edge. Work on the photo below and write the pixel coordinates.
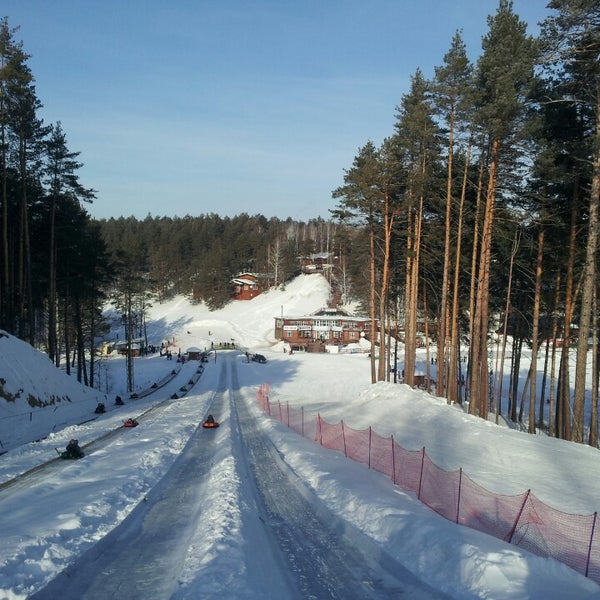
(327, 327)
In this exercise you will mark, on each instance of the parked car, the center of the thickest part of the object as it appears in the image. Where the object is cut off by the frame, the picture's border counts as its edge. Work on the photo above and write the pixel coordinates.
(259, 358)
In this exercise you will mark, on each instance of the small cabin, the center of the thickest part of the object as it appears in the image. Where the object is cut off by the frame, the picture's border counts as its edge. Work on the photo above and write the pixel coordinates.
(249, 285)
(194, 353)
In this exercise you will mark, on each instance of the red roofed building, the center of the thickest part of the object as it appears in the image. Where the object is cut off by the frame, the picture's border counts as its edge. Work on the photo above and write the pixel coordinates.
(248, 285)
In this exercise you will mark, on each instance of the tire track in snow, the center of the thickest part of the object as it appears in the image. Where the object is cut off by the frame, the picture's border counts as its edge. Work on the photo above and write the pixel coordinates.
(321, 550)
(142, 557)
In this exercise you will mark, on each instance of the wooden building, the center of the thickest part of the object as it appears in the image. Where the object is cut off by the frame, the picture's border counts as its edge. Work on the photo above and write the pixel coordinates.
(328, 326)
(248, 285)
(320, 262)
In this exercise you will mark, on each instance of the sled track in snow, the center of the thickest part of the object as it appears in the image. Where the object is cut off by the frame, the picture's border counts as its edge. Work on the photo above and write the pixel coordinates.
(327, 557)
(316, 555)
(36, 473)
(141, 558)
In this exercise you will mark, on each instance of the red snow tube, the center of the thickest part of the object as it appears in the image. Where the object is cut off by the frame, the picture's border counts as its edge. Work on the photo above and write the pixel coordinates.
(210, 422)
(130, 423)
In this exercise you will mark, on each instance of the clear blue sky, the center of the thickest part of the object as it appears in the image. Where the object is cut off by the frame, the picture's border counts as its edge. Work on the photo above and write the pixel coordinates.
(189, 107)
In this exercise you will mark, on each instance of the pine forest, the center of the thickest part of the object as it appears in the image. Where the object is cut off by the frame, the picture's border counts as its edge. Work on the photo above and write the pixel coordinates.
(473, 224)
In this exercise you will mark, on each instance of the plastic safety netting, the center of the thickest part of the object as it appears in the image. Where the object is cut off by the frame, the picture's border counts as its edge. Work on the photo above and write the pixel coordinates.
(522, 519)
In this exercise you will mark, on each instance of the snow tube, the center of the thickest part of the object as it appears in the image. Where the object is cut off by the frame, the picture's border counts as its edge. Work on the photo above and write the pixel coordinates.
(209, 424)
(68, 455)
(130, 423)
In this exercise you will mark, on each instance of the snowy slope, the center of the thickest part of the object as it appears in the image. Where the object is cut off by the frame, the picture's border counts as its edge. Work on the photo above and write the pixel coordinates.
(48, 519)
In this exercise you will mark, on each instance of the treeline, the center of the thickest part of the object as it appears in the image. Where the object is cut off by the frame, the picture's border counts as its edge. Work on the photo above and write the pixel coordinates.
(53, 264)
(476, 217)
(481, 209)
(59, 266)
(199, 255)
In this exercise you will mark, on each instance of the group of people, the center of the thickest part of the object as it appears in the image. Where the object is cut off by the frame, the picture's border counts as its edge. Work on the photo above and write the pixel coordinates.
(73, 450)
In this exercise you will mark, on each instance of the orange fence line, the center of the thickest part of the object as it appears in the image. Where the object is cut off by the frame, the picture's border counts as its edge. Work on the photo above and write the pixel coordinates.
(522, 520)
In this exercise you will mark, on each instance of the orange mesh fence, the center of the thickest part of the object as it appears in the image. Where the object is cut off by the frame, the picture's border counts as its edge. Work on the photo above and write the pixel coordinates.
(546, 531)
(330, 436)
(296, 419)
(407, 468)
(357, 444)
(593, 567)
(439, 489)
(522, 519)
(487, 512)
(381, 454)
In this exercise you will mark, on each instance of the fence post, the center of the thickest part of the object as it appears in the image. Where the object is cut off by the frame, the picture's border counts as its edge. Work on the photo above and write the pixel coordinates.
(587, 564)
(287, 406)
(302, 421)
(459, 491)
(421, 474)
(514, 527)
(344, 439)
(393, 461)
(370, 430)
(319, 429)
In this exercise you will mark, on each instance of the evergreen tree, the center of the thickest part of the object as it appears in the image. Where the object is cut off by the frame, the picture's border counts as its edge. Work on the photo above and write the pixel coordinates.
(62, 181)
(504, 77)
(417, 140)
(450, 94)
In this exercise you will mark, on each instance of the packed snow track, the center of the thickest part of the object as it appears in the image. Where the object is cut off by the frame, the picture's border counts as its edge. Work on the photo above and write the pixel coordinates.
(168, 546)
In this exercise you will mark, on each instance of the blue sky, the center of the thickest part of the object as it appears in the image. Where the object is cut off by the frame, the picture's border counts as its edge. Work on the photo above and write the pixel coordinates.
(190, 107)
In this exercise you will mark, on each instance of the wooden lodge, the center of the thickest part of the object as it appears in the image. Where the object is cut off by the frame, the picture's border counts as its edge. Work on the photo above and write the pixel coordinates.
(328, 326)
(320, 262)
(248, 285)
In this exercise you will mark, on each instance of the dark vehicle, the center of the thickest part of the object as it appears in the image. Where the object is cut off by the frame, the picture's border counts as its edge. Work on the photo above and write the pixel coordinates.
(259, 358)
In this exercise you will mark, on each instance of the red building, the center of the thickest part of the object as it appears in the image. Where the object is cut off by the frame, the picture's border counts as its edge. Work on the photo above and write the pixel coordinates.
(248, 285)
(328, 326)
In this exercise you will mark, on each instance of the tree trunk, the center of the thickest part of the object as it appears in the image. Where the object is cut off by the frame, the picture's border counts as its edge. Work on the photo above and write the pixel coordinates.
(52, 350)
(593, 437)
(507, 309)
(552, 395)
(589, 285)
(473, 373)
(373, 306)
(535, 335)
(453, 394)
(563, 397)
(480, 375)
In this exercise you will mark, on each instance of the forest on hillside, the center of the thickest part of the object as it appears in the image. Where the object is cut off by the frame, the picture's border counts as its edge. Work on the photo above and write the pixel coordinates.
(476, 216)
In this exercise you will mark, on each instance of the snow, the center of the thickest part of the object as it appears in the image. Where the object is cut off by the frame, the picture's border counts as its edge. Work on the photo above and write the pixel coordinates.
(120, 505)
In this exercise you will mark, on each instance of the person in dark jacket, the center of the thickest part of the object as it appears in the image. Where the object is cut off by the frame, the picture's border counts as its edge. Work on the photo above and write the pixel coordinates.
(73, 449)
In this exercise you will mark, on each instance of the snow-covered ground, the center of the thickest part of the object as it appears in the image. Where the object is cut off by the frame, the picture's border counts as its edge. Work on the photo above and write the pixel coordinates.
(50, 517)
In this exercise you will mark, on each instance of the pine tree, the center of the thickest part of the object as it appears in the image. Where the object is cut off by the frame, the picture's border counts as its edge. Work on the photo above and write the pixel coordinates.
(450, 95)
(62, 180)
(572, 44)
(417, 141)
(504, 76)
